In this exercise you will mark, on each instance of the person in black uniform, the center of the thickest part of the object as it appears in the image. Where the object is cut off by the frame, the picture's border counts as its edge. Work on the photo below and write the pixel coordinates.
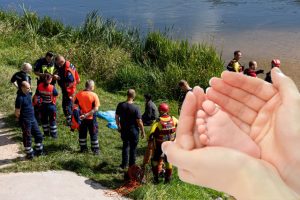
(25, 113)
(21, 76)
(44, 66)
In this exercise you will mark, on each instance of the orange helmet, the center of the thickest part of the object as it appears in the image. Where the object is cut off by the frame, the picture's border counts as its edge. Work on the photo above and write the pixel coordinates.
(275, 63)
(163, 107)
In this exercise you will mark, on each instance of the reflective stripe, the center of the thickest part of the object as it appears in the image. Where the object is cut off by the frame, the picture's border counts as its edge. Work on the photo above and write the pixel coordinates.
(39, 148)
(45, 125)
(95, 145)
(29, 151)
(94, 142)
(38, 144)
(82, 143)
(27, 148)
(46, 129)
(83, 140)
(53, 127)
(53, 131)
(69, 117)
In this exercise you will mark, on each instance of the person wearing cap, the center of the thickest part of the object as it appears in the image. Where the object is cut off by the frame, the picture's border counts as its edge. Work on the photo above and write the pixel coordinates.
(48, 94)
(184, 89)
(45, 65)
(234, 65)
(129, 121)
(251, 71)
(151, 112)
(21, 76)
(25, 114)
(274, 63)
(164, 129)
(88, 103)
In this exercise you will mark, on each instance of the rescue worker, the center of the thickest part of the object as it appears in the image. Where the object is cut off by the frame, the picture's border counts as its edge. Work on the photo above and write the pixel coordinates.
(88, 103)
(274, 63)
(151, 112)
(68, 78)
(251, 71)
(45, 65)
(25, 113)
(48, 94)
(42, 67)
(129, 121)
(161, 131)
(185, 88)
(234, 65)
(21, 76)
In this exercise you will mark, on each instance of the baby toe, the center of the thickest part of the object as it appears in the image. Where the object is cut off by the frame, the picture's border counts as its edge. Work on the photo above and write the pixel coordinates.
(201, 129)
(209, 107)
(200, 121)
(204, 140)
(201, 114)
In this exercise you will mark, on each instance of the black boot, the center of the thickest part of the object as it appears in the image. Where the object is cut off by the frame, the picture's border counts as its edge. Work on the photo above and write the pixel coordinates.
(168, 176)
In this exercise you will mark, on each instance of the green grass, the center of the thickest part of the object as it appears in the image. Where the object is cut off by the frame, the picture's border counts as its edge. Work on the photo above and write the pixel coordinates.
(22, 39)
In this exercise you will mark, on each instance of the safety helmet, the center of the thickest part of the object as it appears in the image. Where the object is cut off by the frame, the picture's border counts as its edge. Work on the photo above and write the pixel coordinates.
(275, 63)
(163, 107)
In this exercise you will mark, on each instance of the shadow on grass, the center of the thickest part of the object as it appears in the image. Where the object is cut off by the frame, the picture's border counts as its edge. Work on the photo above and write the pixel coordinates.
(74, 165)
(57, 147)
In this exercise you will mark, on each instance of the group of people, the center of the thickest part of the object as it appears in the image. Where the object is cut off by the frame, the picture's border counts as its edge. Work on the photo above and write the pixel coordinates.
(42, 108)
(80, 108)
(235, 66)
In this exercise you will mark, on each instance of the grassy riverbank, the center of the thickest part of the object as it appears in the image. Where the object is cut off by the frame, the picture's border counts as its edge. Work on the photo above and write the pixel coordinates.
(117, 59)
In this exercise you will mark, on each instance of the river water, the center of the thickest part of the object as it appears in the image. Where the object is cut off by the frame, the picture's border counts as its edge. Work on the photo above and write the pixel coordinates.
(261, 29)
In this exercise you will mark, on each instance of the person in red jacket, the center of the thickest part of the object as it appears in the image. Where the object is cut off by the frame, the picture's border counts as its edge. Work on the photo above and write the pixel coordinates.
(251, 71)
(48, 94)
(68, 78)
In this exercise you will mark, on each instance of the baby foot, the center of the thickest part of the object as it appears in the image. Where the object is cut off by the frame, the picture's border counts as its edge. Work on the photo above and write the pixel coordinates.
(216, 128)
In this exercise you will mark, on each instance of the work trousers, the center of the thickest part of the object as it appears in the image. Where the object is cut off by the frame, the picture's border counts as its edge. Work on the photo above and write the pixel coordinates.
(130, 138)
(30, 128)
(91, 126)
(48, 119)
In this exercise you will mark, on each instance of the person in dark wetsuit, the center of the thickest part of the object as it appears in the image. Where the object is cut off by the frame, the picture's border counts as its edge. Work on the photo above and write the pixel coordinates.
(274, 63)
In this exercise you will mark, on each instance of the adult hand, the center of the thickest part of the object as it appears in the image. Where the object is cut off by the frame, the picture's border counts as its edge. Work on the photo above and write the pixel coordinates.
(56, 77)
(187, 135)
(229, 171)
(268, 113)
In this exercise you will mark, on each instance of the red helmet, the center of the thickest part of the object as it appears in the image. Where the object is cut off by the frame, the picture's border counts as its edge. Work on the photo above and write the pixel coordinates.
(275, 63)
(163, 107)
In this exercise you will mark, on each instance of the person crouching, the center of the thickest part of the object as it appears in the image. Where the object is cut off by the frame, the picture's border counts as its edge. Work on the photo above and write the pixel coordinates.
(25, 113)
